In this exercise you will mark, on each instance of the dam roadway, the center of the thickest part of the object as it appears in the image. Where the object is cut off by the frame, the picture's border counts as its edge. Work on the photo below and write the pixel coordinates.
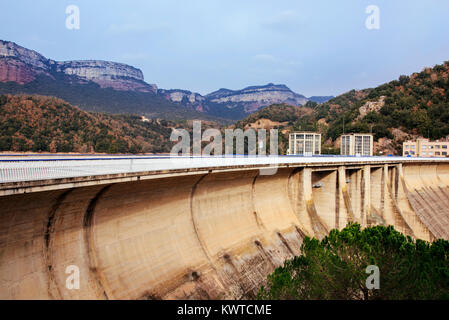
(160, 227)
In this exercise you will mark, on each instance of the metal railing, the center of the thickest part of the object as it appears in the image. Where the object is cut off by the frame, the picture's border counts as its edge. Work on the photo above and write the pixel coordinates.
(46, 168)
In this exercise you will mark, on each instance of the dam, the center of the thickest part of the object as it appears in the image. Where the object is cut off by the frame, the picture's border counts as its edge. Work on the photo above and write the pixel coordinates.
(194, 228)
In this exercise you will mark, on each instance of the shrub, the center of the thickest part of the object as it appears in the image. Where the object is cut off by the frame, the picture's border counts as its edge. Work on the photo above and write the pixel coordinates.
(334, 268)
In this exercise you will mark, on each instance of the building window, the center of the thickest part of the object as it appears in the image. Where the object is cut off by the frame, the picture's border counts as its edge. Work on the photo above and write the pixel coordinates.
(444, 146)
(437, 146)
(444, 153)
(358, 145)
(345, 145)
(348, 145)
(366, 145)
(309, 144)
(437, 153)
(300, 147)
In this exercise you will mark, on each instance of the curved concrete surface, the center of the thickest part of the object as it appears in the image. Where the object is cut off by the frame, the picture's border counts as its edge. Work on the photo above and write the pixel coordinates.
(203, 235)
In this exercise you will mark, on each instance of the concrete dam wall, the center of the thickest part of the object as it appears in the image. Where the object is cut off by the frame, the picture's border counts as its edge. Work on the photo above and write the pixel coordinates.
(202, 235)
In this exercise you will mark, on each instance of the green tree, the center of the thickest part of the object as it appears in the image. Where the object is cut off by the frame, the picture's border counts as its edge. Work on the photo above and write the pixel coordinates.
(5, 143)
(3, 99)
(335, 267)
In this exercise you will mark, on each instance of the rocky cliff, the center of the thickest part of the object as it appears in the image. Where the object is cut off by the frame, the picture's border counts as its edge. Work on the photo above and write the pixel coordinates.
(81, 83)
(237, 103)
(255, 97)
(19, 64)
(22, 65)
(187, 98)
(107, 74)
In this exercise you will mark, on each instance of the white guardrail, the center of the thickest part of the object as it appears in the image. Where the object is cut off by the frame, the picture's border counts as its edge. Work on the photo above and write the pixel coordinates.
(44, 168)
(28, 170)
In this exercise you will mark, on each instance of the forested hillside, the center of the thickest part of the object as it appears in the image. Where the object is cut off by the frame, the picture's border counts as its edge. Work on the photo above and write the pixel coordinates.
(415, 105)
(48, 124)
(91, 97)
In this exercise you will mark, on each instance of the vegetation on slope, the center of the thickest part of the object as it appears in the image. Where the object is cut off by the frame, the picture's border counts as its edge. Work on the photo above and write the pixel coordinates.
(410, 106)
(416, 105)
(280, 113)
(90, 96)
(335, 267)
(288, 117)
(48, 124)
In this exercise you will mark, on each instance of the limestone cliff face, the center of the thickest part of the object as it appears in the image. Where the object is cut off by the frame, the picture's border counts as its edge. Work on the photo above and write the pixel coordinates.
(94, 69)
(186, 98)
(256, 97)
(30, 57)
(249, 99)
(21, 65)
(107, 74)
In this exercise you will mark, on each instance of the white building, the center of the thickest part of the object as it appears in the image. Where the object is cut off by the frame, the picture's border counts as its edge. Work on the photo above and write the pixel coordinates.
(304, 143)
(357, 144)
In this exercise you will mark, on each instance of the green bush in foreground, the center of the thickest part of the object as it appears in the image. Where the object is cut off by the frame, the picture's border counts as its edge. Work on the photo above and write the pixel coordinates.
(335, 267)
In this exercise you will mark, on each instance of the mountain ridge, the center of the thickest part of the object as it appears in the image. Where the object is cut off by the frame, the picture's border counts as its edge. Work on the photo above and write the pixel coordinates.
(117, 75)
(27, 67)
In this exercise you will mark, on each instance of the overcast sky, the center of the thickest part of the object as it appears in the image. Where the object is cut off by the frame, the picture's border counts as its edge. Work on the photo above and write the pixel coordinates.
(316, 47)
